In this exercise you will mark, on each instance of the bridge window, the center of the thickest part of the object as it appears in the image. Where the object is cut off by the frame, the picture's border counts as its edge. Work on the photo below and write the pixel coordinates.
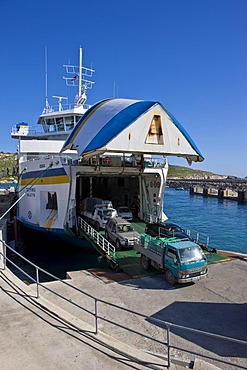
(49, 125)
(69, 122)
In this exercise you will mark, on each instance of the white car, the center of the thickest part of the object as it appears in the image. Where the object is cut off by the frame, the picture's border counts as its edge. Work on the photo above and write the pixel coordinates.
(125, 213)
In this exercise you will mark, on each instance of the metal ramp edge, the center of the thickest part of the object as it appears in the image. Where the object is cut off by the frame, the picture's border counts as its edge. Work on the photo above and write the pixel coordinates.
(102, 245)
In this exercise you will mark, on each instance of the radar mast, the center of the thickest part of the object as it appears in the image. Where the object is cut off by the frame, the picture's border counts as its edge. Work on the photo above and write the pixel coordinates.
(79, 76)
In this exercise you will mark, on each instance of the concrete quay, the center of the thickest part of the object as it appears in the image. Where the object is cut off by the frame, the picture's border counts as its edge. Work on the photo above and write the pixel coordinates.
(46, 333)
(36, 334)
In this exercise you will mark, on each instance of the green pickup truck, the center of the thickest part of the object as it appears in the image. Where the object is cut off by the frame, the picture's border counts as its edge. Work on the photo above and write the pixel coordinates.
(181, 260)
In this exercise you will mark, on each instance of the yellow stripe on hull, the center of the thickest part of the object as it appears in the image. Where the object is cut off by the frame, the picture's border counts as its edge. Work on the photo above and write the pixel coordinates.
(52, 180)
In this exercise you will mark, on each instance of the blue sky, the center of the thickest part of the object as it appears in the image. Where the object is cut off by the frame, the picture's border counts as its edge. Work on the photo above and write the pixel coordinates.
(190, 55)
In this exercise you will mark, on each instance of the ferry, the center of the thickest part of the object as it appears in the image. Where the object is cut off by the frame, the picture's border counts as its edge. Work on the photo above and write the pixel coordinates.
(116, 149)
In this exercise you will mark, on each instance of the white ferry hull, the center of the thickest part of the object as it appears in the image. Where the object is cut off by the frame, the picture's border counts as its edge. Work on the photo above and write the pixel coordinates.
(53, 195)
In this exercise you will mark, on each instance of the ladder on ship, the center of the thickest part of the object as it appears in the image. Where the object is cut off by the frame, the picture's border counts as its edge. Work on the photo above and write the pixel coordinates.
(103, 246)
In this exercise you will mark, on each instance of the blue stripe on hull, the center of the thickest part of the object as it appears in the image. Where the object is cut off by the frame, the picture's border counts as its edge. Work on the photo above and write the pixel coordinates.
(41, 173)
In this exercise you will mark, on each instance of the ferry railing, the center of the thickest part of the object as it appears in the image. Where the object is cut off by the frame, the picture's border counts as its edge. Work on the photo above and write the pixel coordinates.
(28, 130)
(95, 312)
(198, 237)
(65, 158)
(203, 240)
(68, 106)
(99, 239)
(40, 130)
(112, 161)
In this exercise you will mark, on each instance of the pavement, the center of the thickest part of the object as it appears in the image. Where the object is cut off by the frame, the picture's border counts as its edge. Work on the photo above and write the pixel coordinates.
(48, 333)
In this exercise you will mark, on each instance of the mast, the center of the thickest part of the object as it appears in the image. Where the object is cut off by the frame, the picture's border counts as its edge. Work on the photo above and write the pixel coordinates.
(47, 106)
(79, 76)
(80, 72)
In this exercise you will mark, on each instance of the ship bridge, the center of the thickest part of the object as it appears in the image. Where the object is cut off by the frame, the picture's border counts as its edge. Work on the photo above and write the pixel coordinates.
(131, 126)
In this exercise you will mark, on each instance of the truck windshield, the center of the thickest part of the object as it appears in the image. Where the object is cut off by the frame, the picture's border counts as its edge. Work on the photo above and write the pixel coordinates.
(191, 254)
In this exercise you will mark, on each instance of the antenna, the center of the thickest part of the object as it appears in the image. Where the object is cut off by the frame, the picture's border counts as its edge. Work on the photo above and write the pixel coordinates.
(115, 90)
(47, 106)
(79, 76)
(46, 89)
(80, 72)
(60, 107)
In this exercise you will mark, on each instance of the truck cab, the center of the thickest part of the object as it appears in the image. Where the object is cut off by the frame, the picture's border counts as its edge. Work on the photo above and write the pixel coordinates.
(181, 260)
(185, 260)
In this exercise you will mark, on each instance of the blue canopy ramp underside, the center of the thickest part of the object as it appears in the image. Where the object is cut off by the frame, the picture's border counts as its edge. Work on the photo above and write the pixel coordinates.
(131, 126)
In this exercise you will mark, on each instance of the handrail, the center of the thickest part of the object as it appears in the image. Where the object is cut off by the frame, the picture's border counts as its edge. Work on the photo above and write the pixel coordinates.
(102, 242)
(163, 324)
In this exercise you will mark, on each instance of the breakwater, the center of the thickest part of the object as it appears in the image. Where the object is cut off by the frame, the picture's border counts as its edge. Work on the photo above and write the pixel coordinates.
(231, 189)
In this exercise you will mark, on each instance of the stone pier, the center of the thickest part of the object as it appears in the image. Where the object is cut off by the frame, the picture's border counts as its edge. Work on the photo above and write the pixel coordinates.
(240, 196)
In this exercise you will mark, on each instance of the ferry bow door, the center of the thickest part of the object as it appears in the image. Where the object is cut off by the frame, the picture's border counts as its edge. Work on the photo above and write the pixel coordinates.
(151, 197)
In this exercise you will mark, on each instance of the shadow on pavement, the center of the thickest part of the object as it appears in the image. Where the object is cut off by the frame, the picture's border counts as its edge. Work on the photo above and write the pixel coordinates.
(225, 319)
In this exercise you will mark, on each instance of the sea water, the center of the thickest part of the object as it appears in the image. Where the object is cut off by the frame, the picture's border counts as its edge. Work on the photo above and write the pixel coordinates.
(224, 221)
(7, 185)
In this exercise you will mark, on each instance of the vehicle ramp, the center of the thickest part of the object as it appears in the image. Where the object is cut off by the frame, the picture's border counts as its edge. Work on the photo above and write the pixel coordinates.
(98, 241)
(127, 261)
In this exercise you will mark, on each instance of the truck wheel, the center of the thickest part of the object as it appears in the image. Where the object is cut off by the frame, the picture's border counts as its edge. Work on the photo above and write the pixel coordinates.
(170, 277)
(118, 246)
(145, 262)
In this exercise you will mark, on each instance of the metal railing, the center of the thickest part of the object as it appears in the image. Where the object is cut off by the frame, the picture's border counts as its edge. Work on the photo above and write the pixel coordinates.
(99, 239)
(198, 237)
(166, 327)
